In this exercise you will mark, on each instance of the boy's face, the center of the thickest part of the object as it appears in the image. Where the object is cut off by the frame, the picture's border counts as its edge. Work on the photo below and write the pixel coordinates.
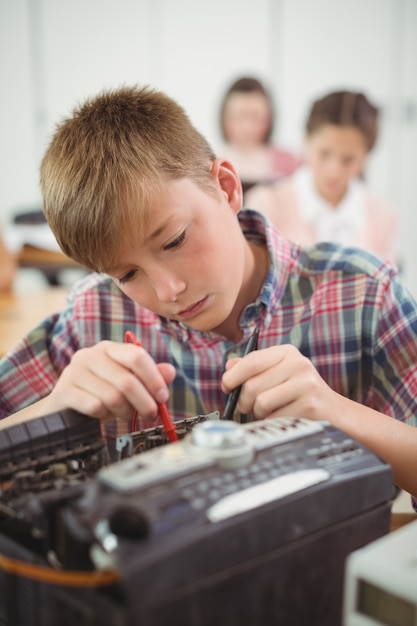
(189, 265)
(336, 154)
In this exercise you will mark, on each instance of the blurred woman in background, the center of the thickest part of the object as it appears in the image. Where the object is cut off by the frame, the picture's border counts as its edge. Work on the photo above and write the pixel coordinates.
(247, 124)
(327, 199)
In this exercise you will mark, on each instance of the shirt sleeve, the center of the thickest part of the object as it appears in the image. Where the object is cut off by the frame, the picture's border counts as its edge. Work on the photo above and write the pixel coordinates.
(29, 371)
(394, 355)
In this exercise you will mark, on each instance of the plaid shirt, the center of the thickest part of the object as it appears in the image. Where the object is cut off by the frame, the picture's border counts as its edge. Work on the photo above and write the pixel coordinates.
(343, 308)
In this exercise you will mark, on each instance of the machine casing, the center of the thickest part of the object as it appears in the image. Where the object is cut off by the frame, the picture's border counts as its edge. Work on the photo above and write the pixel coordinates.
(235, 525)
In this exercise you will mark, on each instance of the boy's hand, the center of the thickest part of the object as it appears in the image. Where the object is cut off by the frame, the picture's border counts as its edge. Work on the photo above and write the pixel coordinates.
(112, 380)
(279, 381)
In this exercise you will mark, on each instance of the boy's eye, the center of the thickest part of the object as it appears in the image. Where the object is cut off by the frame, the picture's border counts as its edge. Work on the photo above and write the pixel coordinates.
(124, 279)
(176, 243)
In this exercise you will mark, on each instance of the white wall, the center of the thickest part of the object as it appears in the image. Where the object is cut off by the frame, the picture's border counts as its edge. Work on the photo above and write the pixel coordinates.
(54, 53)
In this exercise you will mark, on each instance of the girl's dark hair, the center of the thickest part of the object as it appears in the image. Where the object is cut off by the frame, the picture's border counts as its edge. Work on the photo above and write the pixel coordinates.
(345, 108)
(248, 84)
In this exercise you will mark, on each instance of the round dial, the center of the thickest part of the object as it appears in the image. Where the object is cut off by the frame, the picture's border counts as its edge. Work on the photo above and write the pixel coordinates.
(220, 435)
(224, 441)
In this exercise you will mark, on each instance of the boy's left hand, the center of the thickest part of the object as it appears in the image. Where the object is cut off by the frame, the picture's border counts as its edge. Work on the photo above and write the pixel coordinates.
(279, 381)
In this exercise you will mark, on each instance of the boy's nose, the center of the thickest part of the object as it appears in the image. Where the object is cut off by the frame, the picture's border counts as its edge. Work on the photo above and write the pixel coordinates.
(168, 288)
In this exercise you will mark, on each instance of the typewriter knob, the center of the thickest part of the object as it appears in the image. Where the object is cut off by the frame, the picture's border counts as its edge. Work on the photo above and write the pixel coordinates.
(224, 441)
(218, 435)
(127, 522)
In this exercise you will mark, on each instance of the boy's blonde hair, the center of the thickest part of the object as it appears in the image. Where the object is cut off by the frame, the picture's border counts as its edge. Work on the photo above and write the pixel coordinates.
(106, 161)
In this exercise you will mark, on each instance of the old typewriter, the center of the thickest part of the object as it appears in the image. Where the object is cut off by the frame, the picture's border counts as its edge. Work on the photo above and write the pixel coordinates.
(233, 525)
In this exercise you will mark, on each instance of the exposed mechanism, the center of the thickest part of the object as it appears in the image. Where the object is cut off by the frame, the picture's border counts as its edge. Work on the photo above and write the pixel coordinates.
(45, 462)
(140, 441)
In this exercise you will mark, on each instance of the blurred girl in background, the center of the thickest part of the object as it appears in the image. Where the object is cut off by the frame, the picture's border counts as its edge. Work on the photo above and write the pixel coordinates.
(327, 198)
(247, 124)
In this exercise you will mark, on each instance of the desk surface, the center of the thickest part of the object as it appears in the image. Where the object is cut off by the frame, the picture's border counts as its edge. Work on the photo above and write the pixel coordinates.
(31, 256)
(19, 313)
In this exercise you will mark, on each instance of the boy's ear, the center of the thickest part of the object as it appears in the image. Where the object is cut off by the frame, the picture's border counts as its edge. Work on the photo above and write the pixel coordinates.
(229, 182)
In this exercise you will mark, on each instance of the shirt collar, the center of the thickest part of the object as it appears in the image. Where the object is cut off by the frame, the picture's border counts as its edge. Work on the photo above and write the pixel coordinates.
(282, 254)
(338, 223)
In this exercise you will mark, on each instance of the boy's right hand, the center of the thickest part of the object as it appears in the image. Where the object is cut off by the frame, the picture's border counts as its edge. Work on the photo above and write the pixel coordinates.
(111, 380)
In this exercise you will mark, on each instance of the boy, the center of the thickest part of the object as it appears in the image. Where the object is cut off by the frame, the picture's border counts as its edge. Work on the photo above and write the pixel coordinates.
(133, 191)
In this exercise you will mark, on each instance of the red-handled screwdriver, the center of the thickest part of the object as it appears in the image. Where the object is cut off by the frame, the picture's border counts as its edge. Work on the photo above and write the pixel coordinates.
(166, 420)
